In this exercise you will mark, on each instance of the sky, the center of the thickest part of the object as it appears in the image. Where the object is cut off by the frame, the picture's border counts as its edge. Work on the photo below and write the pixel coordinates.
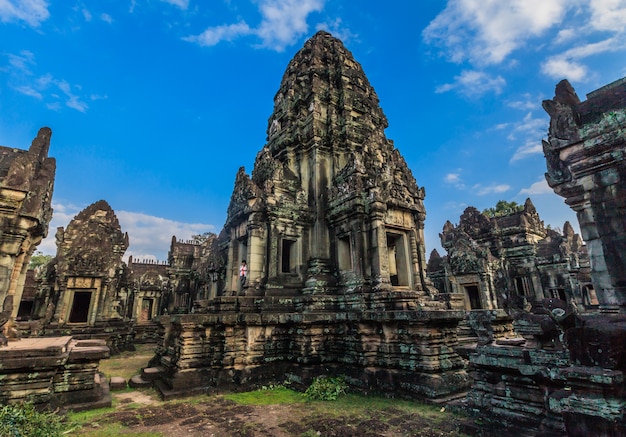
(155, 104)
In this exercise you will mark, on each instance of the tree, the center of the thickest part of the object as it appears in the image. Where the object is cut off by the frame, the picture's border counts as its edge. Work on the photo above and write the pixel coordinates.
(39, 259)
(202, 238)
(503, 208)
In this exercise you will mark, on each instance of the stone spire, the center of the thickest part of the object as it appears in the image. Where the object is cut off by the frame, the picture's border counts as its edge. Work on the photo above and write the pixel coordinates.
(325, 100)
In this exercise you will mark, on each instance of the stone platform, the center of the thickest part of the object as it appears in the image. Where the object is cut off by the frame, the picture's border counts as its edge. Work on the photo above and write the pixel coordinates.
(410, 353)
(54, 372)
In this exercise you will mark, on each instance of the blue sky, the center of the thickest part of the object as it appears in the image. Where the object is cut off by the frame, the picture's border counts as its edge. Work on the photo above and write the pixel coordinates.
(154, 105)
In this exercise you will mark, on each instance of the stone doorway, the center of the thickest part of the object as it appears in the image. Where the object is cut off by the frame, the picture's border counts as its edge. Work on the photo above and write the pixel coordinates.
(146, 310)
(472, 297)
(80, 307)
(398, 260)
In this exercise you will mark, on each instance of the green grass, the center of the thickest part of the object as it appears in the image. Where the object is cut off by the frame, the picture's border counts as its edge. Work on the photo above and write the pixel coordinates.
(128, 364)
(274, 395)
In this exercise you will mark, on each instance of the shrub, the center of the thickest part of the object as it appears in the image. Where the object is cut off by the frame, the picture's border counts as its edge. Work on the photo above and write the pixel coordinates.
(23, 420)
(326, 388)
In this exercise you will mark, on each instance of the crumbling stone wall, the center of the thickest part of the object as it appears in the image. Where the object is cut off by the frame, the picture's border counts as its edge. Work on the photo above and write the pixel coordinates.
(586, 165)
(26, 184)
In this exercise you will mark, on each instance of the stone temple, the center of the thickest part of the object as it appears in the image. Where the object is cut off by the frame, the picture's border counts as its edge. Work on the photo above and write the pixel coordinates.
(331, 225)
(331, 204)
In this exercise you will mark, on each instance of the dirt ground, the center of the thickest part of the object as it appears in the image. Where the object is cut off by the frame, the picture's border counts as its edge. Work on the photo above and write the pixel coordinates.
(141, 413)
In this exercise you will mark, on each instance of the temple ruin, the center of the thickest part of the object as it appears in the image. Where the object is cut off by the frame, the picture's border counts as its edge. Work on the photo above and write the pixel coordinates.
(331, 226)
(567, 375)
(59, 371)
(493, 260)
(84, 284)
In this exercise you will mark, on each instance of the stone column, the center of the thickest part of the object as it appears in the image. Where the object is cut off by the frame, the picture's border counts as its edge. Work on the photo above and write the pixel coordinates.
(257, 249)
(380, 255)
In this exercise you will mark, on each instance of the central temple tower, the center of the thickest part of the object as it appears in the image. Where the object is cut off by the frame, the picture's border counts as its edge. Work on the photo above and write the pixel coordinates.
(331, 204)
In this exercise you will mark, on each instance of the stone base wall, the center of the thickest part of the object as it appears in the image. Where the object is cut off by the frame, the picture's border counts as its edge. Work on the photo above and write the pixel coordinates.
(58, 372)
(408, 352)
(118, 335)
(547, 392)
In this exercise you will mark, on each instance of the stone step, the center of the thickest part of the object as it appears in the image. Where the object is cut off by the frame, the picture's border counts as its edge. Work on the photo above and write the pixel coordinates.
(117, 383)
(152, 373)
(138, 382)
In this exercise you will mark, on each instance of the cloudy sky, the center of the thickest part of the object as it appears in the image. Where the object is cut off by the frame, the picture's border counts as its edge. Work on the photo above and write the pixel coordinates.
(154, 105)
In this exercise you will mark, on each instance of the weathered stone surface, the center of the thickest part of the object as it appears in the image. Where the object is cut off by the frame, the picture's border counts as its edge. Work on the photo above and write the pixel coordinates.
(82, 285)
(569, 376)
(117, 383)
(26, 184)
(58, 371)
(585, 155)
(331, 226)
(494, 261)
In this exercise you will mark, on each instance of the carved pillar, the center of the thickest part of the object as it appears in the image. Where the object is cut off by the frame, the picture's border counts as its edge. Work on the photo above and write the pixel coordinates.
(380, 255)
(257, 248)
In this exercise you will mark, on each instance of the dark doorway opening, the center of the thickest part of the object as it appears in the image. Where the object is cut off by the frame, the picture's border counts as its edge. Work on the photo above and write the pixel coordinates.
(80, 307)
(473, 296)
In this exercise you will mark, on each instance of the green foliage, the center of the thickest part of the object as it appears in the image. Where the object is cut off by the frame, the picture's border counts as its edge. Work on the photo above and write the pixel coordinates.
(201, 238)
(503, 208)
(326, 388)
(39, 259)
(24, 421)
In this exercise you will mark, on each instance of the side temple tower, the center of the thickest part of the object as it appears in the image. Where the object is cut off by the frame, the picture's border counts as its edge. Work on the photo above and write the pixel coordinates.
(586, 161)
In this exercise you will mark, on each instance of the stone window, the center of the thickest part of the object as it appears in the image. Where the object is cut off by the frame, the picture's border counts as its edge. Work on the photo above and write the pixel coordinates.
(589, 296)
(558, 293)
(524, 286)
(81, 303)
(344, 253)
(398, 260)
(288, 256)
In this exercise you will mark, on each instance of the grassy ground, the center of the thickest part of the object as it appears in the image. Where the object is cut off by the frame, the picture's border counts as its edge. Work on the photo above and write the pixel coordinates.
(273, 411)
(128, 364)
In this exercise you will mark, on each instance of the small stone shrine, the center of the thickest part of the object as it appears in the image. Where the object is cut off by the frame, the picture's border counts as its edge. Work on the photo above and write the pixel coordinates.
(331, 226)
(85, 280)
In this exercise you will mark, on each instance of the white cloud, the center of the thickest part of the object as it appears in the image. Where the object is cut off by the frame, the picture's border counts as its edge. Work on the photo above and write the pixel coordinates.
(106, 18)
(282, 23)
(482, 190)
(29, 91)
(149, 236)
(183, 4)
(86, 14)
(452, 178)
(529, 148)
(217, 34)
(538, 188)
(528, 102)
(608, 15)
(487, 31)
(153, 235)
(559, 67)
(455, 180)
(565, 35)
(337, 29)
(33, 12)
(44, 87)
(473, 83)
